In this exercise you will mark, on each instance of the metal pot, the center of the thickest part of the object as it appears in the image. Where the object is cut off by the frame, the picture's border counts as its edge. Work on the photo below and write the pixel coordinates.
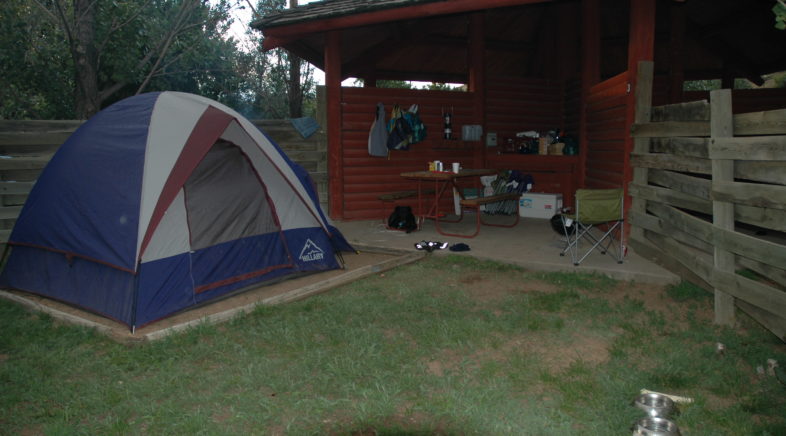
(655, 426)
(655, 405)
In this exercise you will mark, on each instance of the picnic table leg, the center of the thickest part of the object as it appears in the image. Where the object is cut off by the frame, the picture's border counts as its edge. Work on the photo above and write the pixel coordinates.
(420, 205)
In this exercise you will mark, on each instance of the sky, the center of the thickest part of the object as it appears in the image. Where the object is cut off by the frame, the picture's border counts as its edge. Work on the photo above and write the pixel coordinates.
(243, 16)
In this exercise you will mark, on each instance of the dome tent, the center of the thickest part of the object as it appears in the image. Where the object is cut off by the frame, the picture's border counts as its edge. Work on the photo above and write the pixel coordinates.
(163, 201)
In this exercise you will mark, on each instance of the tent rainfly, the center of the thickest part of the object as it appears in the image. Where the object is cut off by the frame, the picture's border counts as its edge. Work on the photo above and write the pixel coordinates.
(164, 201)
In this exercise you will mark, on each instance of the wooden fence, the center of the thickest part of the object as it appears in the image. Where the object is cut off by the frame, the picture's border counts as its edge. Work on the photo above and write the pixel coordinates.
(27, 146)
(709, 199)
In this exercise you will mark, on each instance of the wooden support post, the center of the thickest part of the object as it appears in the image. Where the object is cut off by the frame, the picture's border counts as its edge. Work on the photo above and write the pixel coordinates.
(722, 126)
(590, 75)
(643, 107)
(335, 148)
(641, 47)
(477, 79)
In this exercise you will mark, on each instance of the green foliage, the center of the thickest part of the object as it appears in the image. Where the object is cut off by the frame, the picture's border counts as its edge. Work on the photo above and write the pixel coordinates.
(34, 64)
(267, 86)
(742, 84)
(435, 86)
(780, 14)
(701, 85)
(139, 46)
(400, 84)
(776, 80)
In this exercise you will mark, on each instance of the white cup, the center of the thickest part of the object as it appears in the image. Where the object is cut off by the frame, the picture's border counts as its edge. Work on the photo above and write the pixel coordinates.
(456, 167)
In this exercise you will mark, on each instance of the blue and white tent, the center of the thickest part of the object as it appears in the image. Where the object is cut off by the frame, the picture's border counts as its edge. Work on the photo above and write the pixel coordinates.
(161, 202)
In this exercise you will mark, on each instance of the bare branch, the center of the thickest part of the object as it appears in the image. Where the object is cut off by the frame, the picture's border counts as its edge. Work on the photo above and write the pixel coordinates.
(47, 11)
(85, 11)
(64, 22)
(162, 73)
(185, 12)
(105, 93)
(114, 28)
(254, 11)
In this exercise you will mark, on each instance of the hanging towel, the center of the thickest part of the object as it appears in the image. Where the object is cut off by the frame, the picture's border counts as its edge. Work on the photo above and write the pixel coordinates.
(378, 135)
(307, 126)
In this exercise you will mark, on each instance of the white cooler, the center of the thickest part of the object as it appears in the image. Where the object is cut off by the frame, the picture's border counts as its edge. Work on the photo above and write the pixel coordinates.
(538, 205)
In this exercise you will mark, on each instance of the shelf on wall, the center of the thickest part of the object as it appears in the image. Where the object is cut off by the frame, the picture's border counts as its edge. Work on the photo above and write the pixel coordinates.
(453, 144)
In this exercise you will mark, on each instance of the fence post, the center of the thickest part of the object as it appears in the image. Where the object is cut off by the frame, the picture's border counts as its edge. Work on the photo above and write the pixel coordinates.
(722, 126)
(643, 113)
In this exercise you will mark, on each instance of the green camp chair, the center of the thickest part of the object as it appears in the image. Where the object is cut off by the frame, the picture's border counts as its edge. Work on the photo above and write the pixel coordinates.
(596, 210)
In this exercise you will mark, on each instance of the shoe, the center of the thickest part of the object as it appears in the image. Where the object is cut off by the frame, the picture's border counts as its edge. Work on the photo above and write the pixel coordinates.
(422, 245)
(459, 247)
(436, 245)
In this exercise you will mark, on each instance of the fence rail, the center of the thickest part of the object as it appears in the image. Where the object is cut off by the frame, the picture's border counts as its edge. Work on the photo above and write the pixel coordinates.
(709, 200)
(27, 146)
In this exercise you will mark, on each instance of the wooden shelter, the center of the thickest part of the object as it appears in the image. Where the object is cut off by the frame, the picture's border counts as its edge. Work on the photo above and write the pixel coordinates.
(527, 65)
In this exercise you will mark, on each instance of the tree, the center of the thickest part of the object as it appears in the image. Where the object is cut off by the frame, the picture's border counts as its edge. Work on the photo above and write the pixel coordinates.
(293, 82)
(34, 64)
(280, 83)
(120, 47)
(403, 84)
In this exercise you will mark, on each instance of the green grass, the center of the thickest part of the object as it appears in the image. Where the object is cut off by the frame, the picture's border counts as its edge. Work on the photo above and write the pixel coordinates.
(446, 346)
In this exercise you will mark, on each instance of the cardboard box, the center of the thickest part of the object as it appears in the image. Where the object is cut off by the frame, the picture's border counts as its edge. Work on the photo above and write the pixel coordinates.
(543, 145)
(538, 205)
(556, 148)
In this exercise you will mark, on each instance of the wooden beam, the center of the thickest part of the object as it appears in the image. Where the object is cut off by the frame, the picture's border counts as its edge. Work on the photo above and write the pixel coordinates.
(751, 194)
(477, 78)
(643, 106)
(590, 76)
(335, 148)
(641, 47)
(396, 14)
(764, 148)
(670, 129)
(721, 126)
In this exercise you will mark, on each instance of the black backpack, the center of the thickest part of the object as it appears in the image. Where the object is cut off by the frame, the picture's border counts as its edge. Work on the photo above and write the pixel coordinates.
(402, 218)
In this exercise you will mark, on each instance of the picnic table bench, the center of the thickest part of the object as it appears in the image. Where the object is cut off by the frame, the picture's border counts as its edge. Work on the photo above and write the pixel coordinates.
(475, 203)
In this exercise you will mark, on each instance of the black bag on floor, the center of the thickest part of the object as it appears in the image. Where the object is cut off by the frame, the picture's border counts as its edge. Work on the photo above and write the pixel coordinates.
(560, 228)
(402, 218)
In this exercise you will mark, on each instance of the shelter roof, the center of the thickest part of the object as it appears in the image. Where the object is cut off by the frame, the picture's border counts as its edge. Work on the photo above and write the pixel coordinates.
(428, 39)
(330, 9)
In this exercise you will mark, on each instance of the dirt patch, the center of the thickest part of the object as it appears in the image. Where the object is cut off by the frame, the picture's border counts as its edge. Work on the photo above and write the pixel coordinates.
(593, 350)
(489, 287)
(554, 353)
(443, 362)
(655, 299)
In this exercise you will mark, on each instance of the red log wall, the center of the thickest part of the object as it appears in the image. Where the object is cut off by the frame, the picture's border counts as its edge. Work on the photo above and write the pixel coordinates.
(515, 105)
(606, 133)
(512, 105)
(366, 177)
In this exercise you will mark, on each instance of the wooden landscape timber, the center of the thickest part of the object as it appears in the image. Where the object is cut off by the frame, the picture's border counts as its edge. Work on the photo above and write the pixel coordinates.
(709, 196)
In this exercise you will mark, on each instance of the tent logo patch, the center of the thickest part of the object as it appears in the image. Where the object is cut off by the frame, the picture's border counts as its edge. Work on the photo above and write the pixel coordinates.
(311, 252)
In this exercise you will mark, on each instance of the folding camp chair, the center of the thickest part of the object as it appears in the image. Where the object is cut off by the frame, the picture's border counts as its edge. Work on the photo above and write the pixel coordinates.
(596, 210)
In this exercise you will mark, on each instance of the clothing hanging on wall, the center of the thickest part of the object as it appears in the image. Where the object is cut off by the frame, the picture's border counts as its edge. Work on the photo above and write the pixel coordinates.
(378, 135)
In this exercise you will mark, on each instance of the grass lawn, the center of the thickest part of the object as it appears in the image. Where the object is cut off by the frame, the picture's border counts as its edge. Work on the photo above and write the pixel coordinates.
(447, 346)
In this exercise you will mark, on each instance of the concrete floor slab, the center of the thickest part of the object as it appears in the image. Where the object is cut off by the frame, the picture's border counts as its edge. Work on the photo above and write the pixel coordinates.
(532, 244)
